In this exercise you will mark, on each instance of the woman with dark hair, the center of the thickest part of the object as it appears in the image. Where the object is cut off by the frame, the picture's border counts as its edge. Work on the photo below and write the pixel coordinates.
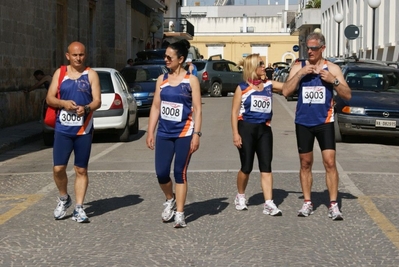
(251, 116)
(176, 109)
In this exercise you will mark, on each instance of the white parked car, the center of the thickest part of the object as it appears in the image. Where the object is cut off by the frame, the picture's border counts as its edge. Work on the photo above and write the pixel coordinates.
(118, 111)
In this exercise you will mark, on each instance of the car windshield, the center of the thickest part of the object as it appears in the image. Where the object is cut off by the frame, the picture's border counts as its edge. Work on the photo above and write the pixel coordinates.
(105, 82)
(140, 75)
(373, 80)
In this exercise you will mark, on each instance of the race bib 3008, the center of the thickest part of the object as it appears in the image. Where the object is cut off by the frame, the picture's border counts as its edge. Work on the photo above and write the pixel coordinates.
(68, 118)
(171, 111)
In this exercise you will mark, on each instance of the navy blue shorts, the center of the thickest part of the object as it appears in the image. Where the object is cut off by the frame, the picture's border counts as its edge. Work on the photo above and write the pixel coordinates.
(324, 134)
(64, 144)
(165, 150)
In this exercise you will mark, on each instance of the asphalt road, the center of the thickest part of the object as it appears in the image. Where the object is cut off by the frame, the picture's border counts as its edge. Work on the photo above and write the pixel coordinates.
(124, 203)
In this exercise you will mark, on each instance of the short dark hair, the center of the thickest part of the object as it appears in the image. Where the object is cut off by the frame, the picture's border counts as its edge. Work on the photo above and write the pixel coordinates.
(38, 72)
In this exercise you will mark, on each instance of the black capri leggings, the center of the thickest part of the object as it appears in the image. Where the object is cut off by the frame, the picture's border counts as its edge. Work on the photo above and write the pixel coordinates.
(256, 138)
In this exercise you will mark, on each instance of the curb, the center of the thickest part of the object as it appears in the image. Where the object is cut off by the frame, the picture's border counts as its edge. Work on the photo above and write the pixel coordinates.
(20, 142)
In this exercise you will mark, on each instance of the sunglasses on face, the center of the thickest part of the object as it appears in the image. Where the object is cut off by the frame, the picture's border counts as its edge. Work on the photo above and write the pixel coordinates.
(261, 64)
(313, 48)
(169, 58)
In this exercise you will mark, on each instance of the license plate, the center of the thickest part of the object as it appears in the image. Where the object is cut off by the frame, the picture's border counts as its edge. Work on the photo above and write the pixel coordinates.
(139, 103)
(385, 124)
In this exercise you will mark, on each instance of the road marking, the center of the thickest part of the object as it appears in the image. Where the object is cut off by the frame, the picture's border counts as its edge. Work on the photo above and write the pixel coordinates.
(20, 207)
(390, 231)
(380, 219)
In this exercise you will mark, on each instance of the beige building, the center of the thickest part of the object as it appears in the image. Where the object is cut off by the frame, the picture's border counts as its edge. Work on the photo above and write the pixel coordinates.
(274, 48)
(236, 31)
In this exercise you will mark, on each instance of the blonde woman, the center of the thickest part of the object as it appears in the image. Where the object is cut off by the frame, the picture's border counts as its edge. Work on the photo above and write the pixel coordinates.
(251, 115)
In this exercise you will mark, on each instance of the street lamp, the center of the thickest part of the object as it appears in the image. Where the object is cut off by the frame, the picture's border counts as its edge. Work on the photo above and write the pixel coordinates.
(373, 4)
(338, 19)
(153, 30)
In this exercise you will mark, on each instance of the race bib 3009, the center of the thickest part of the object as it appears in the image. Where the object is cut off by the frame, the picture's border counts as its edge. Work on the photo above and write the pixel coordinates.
(261, 104)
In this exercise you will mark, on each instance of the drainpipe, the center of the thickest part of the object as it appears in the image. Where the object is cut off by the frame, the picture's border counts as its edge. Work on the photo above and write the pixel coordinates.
(244, 23)
(285, 15)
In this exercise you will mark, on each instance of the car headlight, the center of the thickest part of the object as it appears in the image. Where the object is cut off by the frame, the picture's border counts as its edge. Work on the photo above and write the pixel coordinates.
(151, 94)
(353, 110)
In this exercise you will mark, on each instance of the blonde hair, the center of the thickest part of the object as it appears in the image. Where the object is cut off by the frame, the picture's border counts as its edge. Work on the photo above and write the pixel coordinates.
(250, 64)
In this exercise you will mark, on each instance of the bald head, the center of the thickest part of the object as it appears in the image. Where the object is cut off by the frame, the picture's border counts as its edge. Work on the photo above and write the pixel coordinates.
(76, 55)
(76, 45)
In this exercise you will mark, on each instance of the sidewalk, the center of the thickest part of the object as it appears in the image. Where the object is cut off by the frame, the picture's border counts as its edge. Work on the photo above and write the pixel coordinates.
(15, 136)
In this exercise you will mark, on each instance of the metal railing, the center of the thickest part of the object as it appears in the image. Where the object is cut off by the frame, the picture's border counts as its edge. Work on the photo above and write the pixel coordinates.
(178, 25)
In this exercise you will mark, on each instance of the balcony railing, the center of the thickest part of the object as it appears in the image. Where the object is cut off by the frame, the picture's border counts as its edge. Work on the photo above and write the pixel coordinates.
(178, 25)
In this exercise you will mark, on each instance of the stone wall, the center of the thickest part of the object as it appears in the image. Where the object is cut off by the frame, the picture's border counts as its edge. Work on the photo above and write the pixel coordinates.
(35, 35)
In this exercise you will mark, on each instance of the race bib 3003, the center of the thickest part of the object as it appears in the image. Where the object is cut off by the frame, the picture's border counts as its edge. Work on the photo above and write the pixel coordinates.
(68, 118)
(171, 111)
(313, 94)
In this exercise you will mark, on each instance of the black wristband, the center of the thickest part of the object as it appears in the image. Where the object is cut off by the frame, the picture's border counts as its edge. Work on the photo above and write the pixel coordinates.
(87, 109)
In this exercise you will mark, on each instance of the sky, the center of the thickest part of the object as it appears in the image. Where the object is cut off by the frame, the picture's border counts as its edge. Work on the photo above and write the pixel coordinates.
(244, 2)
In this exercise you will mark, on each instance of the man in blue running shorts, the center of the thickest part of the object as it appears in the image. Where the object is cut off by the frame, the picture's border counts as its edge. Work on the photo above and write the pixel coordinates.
(79, 96)
(316, 80)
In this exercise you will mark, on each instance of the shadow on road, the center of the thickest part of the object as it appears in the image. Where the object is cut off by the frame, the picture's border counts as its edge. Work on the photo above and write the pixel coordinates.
(208, 207)
(101, 206)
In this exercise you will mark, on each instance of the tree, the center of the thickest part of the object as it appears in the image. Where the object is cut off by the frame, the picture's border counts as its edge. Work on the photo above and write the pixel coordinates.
(313, 4)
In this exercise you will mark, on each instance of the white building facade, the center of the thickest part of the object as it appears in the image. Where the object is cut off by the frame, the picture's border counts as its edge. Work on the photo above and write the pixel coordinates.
(357, 14)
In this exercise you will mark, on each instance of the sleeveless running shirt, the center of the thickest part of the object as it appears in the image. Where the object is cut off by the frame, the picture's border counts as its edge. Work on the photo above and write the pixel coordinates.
(315, 100)
(175, 119)
(78, 90)
(256, 106)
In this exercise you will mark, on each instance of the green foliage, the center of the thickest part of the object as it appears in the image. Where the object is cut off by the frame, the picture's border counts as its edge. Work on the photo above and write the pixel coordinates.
(313, 4)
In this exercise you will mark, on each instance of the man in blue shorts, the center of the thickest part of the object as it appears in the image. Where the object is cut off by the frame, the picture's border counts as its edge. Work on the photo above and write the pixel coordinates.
(79, 96)
(316, 80)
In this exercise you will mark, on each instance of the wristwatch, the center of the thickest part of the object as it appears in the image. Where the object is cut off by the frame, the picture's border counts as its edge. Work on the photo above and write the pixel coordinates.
(87, 109)
(199, 133)
(336, 82)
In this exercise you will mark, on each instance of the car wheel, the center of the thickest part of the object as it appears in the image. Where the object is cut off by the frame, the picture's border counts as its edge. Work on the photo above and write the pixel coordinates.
(135, 127)
(48, 138)
(338, 136)
(124, 133)
(216, 89)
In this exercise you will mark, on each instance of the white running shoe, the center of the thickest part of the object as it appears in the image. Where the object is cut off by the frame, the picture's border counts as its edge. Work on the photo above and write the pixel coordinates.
(270, 208)
(179, 220)
(168, 211)
(334, 213)
(61, 208)
(306, 210)
(241, 203)
(79, 215)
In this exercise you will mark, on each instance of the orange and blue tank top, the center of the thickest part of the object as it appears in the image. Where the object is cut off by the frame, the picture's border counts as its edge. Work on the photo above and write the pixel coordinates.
(315, 100)
(175, 118)
(78, 90)
(256, 106)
